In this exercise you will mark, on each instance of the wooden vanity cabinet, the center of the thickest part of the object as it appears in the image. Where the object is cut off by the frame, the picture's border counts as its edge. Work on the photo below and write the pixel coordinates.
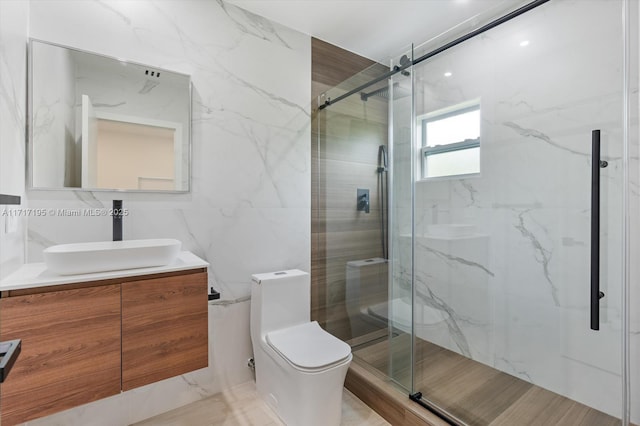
(164, 328)
(87, 341)
(70, 350)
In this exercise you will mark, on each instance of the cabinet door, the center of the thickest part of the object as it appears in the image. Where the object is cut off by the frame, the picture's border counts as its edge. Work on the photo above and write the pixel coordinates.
(164, 328)
(70, 350)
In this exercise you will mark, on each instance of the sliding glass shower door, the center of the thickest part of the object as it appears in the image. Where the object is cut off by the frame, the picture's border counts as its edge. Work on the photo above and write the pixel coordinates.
(350, 219)
(495, 228)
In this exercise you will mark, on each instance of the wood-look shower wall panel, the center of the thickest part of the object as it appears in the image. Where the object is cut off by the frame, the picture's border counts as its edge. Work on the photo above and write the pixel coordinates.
(345, 140)
(345, 246)
(331, 65)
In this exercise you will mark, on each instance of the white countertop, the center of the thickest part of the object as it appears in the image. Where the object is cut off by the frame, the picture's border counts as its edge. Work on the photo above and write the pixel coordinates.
(32, 275)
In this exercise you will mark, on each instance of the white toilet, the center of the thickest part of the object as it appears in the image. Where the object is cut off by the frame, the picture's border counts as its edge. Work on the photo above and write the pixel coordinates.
(300, 368)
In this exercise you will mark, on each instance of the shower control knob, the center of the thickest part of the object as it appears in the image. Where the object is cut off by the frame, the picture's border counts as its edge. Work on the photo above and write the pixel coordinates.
(362, 202)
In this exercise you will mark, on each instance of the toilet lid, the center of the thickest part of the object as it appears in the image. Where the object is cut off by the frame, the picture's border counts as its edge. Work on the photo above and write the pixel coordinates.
(308, 346)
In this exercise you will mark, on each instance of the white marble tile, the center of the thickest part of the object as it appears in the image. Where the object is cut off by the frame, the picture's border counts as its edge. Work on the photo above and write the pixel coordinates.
(241, 405)
(249, 208)
(13, 72)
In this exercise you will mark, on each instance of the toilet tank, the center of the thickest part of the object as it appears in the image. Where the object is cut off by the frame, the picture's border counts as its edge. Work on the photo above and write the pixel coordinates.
(279, 299)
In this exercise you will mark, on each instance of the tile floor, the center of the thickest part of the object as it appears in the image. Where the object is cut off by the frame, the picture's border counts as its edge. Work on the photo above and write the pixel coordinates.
(473, 392)
(240, 406)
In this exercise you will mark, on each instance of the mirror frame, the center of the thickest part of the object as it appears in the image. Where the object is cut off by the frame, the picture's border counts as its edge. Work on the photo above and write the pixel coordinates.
(30, 118)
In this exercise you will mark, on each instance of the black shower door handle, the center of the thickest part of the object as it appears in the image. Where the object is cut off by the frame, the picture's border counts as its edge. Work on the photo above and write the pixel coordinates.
(596, 165)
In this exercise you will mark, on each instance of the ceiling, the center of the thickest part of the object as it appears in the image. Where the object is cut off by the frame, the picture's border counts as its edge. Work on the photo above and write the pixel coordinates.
(376, 29)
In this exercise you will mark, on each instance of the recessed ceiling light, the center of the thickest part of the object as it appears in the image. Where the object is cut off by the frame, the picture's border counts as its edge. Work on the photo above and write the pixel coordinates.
(524, 43)
(447, 74)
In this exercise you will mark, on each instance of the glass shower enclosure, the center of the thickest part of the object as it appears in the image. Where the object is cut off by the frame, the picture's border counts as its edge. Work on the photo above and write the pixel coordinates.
(500, 299)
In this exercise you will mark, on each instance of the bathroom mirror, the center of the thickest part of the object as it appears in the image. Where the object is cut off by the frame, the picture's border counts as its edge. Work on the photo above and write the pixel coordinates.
(100, 123)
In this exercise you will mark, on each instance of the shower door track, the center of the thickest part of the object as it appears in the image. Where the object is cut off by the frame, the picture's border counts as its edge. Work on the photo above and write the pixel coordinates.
(442, 414)
(396, 69)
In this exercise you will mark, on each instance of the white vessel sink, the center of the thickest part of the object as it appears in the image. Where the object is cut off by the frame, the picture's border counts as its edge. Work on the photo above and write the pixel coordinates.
(86, 258)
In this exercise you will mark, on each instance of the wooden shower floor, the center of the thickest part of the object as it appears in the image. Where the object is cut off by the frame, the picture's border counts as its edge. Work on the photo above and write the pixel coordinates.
(476, 393)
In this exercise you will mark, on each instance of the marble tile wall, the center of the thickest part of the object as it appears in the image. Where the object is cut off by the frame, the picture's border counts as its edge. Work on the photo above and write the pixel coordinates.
(14, 17)
(249, 208)
(514, 291)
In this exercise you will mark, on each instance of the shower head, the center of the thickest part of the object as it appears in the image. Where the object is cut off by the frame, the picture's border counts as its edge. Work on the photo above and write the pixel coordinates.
(398, 93)
(383, 92)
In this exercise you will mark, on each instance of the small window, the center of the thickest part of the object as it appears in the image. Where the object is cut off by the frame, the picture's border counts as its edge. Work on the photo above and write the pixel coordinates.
(451, 141)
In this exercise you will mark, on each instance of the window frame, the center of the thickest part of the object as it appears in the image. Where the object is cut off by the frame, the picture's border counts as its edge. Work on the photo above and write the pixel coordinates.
(426, 151)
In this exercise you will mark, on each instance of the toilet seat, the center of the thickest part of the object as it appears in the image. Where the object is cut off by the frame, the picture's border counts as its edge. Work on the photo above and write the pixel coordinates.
(308, 347)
